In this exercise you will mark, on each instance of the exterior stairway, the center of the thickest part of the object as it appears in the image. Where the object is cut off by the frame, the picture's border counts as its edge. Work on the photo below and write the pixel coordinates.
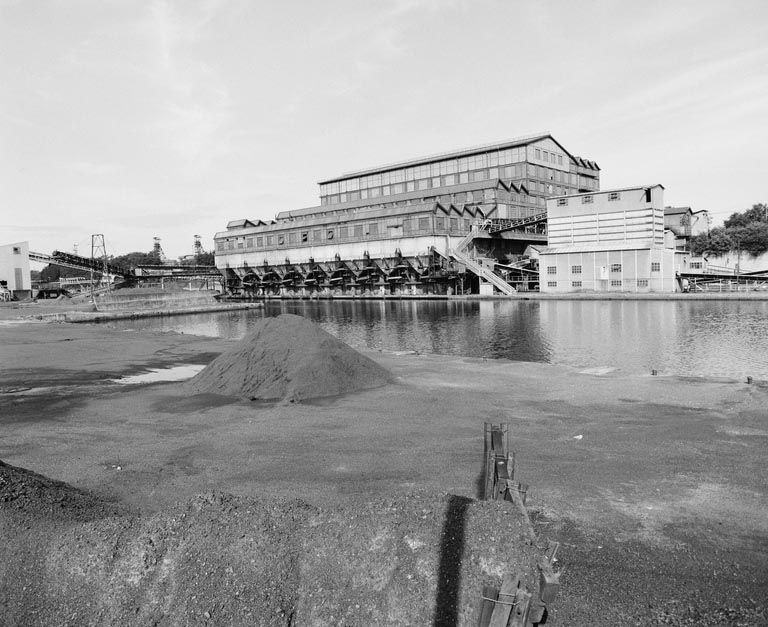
(459, 253)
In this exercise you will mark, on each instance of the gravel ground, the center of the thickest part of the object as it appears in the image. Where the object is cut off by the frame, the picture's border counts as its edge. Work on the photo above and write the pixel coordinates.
(660, 505)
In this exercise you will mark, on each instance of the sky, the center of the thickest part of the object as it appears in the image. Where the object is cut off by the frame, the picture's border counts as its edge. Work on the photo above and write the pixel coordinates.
(168, 119)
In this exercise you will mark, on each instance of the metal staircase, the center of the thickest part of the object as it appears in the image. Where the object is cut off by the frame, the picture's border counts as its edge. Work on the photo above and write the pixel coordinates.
(459, 253)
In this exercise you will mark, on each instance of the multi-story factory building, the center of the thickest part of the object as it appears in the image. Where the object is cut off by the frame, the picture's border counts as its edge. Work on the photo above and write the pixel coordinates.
(609, 241)
(409, 225)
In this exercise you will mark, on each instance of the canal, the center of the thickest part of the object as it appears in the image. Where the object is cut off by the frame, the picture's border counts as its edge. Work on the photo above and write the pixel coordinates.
(695, 338)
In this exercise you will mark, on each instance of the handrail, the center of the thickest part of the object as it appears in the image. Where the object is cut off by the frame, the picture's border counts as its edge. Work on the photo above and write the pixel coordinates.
(485, 273)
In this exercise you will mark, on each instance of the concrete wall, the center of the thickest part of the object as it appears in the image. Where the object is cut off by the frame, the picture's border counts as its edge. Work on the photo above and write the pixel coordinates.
(608, 271)
(15, 269)
(744, 261)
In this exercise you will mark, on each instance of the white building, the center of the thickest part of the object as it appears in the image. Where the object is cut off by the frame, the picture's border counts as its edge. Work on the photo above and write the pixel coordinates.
(15, 272)
(609, 241)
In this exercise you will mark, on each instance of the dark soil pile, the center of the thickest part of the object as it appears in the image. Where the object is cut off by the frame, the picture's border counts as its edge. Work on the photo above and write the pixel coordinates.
(415, 559)
(290, 358)
(36, 496)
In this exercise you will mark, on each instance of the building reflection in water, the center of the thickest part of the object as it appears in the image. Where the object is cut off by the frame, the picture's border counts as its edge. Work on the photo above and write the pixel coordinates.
(707, 338)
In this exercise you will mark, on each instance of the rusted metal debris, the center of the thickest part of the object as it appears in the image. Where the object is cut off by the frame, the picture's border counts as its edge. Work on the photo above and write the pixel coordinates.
(512, 605)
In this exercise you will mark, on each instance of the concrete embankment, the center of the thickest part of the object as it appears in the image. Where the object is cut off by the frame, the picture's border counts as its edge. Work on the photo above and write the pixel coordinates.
(105, 316)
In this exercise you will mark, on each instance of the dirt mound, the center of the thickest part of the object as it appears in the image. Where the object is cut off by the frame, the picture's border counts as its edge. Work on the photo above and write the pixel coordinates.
(289, 357)
(414, 559)
(37, 496)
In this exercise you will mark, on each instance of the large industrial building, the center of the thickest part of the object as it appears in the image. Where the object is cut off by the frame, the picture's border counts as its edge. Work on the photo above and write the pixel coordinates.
(609, 241)
(448, 223)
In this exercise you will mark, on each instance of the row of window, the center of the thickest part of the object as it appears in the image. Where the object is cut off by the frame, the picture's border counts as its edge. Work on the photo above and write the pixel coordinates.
(355, 232)
(545, 155)
(492, 159)
(421, 184)
(588, 200)
(510, 172)
(614, 283)
(615, 267)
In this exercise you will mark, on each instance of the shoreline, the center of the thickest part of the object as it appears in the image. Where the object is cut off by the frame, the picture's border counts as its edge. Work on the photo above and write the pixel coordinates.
(634, 475)
(735, 296)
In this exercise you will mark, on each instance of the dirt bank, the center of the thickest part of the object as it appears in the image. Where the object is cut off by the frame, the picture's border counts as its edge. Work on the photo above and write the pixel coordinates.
(70, 558)
(660, 503)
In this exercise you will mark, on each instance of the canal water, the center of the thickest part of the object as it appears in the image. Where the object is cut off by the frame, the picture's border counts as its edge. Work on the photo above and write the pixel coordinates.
(695, 338)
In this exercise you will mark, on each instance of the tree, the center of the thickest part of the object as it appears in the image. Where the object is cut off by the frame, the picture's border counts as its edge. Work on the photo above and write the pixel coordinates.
(205, 259)
(751, 238)
(716, 242)
(52, 273)
(758, 213)
(131, 260)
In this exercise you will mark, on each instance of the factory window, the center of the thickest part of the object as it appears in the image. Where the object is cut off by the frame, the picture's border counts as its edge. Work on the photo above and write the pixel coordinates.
(562, 202)
(249, 242)
(358, 229)
(538, 153)
(240, 245)
(493, 173)
(436, 182)
(616, 283)
(463, 177)
(450, 179)
(551, 269)
(575, 283)
(270, 239)
(648, 195)
(586, 200)
(575, 269)
(398, 188)
(16, 250)
(410, 186)
(467, 225)
(454, 224)
(291, 238)
(551, 283)
(220, 246)
(259, 242)
(423, 184)
(615, 267)
(642, 283)
(342, 232)
(373, 228)
(696, 265)
(559, 159)
(423, 224)
(316, 235)
(440, 223)
(304, 237)
(614, 196)
(329, 234)
(230, 245)
(655, 266)
(280, 240)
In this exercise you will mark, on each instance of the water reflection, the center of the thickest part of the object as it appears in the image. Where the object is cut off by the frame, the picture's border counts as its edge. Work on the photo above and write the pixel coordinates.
(708, 338)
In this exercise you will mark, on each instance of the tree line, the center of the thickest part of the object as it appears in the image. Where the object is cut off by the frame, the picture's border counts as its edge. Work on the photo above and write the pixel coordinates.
(746, 232)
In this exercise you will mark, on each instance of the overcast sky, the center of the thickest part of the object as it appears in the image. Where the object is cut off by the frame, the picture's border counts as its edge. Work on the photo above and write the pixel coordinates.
(140, 119)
